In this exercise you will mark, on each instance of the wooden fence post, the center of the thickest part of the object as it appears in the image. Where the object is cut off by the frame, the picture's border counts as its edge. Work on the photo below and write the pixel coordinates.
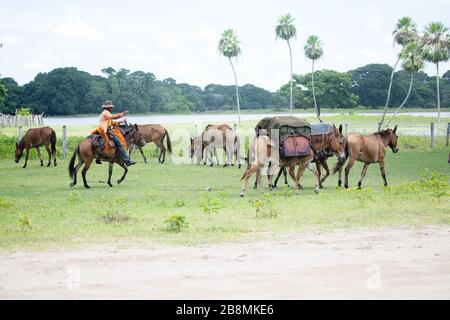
(448, 135)
(20, 134)
(195, 130)
(432, 134)
(346, 129)
(234, 127)
(64, 142)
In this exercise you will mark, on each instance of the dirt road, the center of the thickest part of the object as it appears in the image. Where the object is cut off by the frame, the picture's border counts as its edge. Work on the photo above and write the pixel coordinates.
(390, 263)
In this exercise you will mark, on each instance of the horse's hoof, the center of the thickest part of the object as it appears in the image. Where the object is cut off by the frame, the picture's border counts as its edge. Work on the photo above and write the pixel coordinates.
(86, 186)
(317, 190)
(72, 184)
(321, 186)
(48, 165)
(110, 184)
(24, 166)
(55, 165)
(241, 194)
(119, 181)
(239, 166)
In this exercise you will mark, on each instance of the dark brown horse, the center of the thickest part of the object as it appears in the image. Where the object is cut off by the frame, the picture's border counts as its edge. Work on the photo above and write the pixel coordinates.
(326, 146)
(35, 138)
(87, 153)
(154, 133)
(367, 149)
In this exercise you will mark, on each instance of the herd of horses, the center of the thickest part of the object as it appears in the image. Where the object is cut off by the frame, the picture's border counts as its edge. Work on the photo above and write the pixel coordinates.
(348, 149)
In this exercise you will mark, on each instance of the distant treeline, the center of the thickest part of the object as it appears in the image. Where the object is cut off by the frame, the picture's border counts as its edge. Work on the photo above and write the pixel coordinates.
(68, 91)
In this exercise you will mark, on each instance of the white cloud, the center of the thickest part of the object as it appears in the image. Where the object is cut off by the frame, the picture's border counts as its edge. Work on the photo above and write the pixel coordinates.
(7, 40)
(74, 27)
(34, 65)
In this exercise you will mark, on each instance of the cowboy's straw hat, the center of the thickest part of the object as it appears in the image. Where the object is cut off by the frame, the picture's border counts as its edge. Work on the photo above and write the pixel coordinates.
(107, 104)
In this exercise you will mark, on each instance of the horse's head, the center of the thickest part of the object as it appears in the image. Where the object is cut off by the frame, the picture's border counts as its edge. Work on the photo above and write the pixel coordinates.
(392, 139)
(338, 143)
(18, 153)
(135, 136)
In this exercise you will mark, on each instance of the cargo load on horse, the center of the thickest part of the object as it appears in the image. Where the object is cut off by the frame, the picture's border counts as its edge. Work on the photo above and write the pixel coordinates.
(294, 135)
(103, 145)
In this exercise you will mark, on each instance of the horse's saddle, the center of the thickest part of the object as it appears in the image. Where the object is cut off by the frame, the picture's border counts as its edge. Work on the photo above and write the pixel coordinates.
(294, 146)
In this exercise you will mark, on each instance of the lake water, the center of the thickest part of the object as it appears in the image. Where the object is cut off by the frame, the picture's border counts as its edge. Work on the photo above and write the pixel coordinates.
(202, 118)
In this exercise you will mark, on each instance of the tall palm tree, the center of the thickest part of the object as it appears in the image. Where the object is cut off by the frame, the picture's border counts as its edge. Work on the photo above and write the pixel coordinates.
(313, 50)
(286, 30)
(229, 46)
(405, 31)
(436, 46)
(412, 62)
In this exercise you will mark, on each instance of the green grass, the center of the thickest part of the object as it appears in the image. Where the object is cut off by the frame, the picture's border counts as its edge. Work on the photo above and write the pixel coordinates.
(38, 210)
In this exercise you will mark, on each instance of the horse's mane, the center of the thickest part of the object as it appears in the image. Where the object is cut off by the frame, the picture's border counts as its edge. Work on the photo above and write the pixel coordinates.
(383, 133)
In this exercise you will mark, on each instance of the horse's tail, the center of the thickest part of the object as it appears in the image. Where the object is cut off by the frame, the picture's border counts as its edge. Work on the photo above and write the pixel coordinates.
(340, 164)
(53, 141)
(72, 162)
(169, 144)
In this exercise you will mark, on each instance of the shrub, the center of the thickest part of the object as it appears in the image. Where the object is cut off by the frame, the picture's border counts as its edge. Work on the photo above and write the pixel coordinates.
(209, 204)
(175, 223)
(24, 222)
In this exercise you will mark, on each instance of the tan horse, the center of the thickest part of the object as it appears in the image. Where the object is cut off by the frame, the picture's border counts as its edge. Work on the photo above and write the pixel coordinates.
(367, 149)
(205, 145)
(87, 153)
(326, 146)
(261, 153)
(154, 133)
(35, 138)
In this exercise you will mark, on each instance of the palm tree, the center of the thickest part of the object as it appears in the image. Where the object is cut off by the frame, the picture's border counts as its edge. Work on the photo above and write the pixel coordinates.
(436, 47)
(313, 50)
(229, 46)
(412, 57)
(405, 32)
(285, 30)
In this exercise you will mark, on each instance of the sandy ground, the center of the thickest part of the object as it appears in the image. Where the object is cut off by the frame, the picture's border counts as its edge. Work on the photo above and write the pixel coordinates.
(366, 264)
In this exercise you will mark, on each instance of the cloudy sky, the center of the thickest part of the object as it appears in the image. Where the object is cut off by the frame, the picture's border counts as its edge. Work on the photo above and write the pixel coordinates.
(178, 38)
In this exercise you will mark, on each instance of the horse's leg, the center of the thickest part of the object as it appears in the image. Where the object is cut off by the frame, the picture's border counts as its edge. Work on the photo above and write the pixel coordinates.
(27, 154)
(300, 173)
(291, 172)
(349, 166)
(40, 157)
(83, 173)
(316, 172)
(125, 168)
(282, 170)
(363, 174)
(77, 167)
(162, 151)
(142, 153)
(110, 171)
(248, 173)
(215, 154)
(270, 171)
(49, 155)
(319, 172)
(383, 173)
(327, 171)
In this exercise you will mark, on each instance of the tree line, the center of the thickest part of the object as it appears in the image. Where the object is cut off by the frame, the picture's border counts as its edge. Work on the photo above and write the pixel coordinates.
(68, 91)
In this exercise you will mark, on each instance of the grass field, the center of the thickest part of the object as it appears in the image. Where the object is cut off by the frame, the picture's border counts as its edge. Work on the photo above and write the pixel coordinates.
(38, 210)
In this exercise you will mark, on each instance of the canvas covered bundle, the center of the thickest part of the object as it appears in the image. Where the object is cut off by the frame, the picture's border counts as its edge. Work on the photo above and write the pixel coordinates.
(294, 134)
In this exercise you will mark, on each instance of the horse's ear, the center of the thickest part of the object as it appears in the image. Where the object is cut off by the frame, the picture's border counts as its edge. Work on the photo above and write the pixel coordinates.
(340, 129)
(334, 126)
(395, 129)
(136, 126)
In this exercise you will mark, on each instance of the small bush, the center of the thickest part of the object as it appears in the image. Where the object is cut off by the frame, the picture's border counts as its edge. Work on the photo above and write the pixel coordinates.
(362, 195)
(4, 204)
(264, 207)
(436, 184)
(24, 222)
(175, 223)
(209, 204)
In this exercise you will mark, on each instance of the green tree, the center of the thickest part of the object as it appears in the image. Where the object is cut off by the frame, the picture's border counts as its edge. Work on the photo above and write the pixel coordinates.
(3, 95)
(229, 46)
(436, 46)
(412, 62)
(313, 51)
(405, 32)
(285, 29)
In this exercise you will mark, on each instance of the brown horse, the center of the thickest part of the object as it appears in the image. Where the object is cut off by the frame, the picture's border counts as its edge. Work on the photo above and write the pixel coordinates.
(205, 145)
(367, 149)
(154, 133)
(86, 154)
(35, 138)
(261, 153)
(326, 146)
